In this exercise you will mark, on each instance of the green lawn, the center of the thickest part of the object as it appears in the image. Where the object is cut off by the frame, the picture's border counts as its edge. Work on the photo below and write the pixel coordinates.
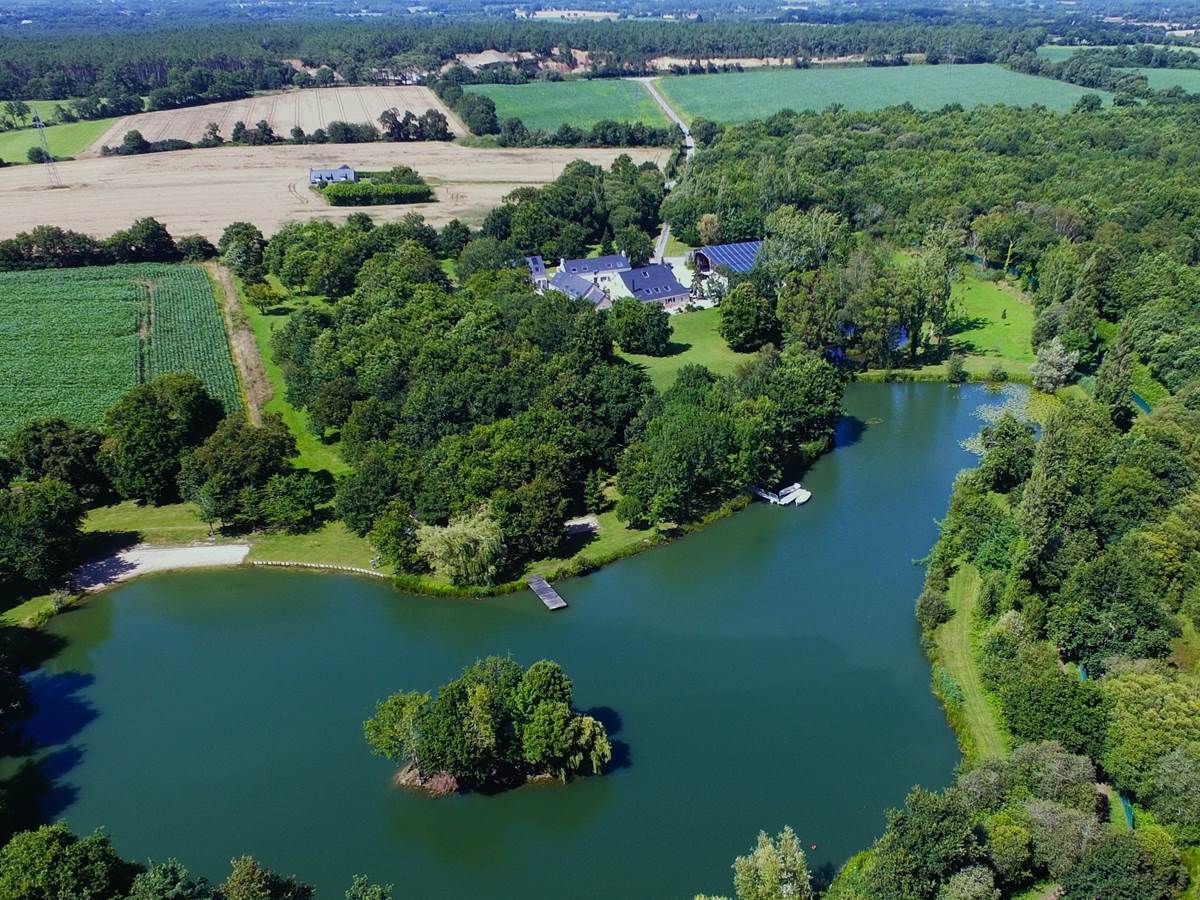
(956, 652)
(739, 97)
(333, 544)
(549, 104)
(676, 247)
(64, 140)
(175, 523)
(694, 339)
(995, 319)
(314, 453)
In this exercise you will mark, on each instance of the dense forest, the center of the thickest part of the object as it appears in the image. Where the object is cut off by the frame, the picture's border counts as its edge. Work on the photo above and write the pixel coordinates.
(1094, 211)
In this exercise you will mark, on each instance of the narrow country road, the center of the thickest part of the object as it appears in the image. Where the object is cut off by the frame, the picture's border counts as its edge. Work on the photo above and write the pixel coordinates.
(689, 146)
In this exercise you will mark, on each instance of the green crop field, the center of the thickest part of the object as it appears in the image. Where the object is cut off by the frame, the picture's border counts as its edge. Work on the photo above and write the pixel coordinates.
(73, 340)
(548, 104)
(739, 97)
(1161, 79)
(64, 140)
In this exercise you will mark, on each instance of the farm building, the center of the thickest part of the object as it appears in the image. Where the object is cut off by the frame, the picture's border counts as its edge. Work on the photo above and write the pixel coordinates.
(576, 287)
(656, 284)
(598, 265)
(738, 257)
(331, 176)
(537, 271)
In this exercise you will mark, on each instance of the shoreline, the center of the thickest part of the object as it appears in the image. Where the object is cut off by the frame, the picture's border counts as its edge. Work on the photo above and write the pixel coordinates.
(123, 566)
(145, 559)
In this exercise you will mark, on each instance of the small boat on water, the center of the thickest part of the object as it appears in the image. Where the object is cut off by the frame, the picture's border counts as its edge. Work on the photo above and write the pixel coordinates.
(792, 495)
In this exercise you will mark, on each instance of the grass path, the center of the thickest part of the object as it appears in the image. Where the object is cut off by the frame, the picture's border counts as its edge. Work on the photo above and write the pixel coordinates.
(956, 652)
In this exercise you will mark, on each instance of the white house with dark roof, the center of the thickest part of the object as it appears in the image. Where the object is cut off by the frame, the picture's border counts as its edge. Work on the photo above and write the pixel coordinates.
(595, 265)
(332, 176)
(602, 271)
(656, 283)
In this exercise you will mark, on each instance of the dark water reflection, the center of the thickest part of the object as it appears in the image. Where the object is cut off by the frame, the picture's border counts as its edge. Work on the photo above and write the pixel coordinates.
(764, 672)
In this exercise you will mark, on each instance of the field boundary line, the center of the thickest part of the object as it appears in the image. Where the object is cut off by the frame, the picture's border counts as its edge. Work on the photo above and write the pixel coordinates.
(243, 348)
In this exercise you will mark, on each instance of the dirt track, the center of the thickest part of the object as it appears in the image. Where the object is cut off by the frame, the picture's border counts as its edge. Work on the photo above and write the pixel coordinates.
(202, 191)
(311, 109)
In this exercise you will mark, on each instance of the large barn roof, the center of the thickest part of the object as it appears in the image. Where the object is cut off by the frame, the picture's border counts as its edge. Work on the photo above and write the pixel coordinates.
(653, 283)
(739, 257)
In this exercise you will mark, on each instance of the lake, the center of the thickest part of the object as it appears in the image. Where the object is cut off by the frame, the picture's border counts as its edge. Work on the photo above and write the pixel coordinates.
(765, 671)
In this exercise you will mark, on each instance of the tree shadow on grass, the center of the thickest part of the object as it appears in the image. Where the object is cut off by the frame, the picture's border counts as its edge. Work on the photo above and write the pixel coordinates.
(966, 324)
(94, 544)
(674, 349)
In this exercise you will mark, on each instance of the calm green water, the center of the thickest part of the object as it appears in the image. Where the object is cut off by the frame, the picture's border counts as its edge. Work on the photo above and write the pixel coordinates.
(764, 672)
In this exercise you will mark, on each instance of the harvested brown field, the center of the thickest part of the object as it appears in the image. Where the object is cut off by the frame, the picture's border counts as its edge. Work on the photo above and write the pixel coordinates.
(311, 109)
(202, 191)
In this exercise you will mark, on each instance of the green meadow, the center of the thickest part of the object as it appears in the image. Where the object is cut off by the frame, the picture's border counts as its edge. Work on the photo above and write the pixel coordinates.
(549, 104)
(742, 96)
(64, 140)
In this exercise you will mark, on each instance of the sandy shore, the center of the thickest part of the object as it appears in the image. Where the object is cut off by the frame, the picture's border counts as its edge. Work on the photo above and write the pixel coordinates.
(143, 559)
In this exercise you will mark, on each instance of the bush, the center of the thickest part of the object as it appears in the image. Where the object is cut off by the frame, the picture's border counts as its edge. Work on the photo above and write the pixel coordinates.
(956, 370)
(932, 609)
(366, 193)
(195, 248)
(997, 373)
(38, 155)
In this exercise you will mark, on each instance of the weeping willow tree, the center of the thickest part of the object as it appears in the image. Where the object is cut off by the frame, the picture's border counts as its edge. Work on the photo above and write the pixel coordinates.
(470, 550)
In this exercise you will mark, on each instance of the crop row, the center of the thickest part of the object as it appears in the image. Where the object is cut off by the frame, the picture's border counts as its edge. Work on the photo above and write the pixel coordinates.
(72, 341)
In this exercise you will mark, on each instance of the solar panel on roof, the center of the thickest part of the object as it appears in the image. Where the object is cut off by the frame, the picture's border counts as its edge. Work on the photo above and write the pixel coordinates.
(739, 257)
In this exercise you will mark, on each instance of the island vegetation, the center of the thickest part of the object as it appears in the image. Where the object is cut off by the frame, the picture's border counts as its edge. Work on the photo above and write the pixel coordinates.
(495, 726)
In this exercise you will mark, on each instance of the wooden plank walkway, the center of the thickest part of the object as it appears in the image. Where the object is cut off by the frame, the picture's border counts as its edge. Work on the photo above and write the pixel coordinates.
(545, 592)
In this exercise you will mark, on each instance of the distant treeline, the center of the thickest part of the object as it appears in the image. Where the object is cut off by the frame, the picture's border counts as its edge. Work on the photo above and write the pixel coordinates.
(203, 63)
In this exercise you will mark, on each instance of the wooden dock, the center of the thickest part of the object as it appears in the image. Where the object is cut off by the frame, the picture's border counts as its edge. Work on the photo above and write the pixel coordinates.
(545, 592)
